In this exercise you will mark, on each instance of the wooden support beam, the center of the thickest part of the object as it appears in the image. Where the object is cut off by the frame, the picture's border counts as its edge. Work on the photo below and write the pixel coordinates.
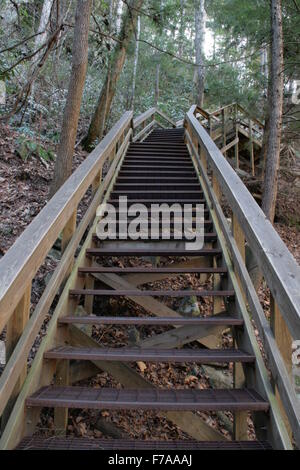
(230, 145)
(15, 328)
(240, 418)
(61, 414)
(284, 341)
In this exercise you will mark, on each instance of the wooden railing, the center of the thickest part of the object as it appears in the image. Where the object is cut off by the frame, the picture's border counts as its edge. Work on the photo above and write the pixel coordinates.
(22, 261)
(144, 124)
(58, 218)
(278, 267)
(232, 119)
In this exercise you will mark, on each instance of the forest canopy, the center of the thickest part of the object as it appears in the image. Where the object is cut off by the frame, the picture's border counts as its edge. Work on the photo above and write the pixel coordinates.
(236, 57)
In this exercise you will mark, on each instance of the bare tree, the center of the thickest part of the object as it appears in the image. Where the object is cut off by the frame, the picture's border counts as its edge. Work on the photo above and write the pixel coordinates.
(136, 58)
(115, 68)
(63, 164)
(275, 105)
(199, 49)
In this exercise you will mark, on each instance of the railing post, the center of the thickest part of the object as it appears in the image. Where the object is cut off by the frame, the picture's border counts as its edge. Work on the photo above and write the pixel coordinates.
(217, 301)
(68, 231)
(15, 328)
(240, 417)
(96, 182)
(62, 377)
(203, 157)
(284, 342)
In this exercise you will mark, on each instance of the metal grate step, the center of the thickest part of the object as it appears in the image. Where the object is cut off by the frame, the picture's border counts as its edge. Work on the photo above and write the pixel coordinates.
(77, 443)
(152, 252)
(147, 399)
(138, 321)
(201, 356)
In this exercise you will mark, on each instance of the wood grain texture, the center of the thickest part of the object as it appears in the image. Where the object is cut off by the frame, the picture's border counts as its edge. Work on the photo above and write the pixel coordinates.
(278, 266)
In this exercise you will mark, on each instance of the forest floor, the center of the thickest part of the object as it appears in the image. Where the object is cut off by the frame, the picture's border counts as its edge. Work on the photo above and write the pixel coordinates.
(24, 188)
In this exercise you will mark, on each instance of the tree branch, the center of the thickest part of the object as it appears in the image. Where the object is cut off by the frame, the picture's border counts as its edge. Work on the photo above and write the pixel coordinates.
(25, 90)
(10, 48)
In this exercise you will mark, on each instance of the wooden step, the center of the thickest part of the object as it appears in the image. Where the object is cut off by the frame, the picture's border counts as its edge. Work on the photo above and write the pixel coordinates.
(217, 320)
(208, 237)
(206, 222)
(154, 293)
(148, 399)
(152, 252)
(152, 174)
(154, 194)
(159, 179)
(153, 145)
(150, 201)
(161, 187)
(201, 356)
(169, 140)
(158, 153)
(161, 168)
(161, 161)
(85, 443)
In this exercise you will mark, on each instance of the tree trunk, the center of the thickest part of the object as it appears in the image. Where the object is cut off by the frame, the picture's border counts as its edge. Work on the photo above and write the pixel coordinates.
(156, 95)
(275, 99)
(136, 58)
(108, 91)
(199, 48)
(181, 29)
(119, 13)
(63, 164)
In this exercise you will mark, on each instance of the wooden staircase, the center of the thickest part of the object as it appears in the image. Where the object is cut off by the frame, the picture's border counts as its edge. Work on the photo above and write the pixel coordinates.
(158, 167)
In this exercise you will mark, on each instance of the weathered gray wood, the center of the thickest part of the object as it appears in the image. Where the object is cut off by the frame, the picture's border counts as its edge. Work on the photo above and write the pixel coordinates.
(278, 266)
(165, 117)
(276, 363)
(19, 356)
(144, 131)
(143, 117)
(231, 144)
(152, 305)
(23, 259)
